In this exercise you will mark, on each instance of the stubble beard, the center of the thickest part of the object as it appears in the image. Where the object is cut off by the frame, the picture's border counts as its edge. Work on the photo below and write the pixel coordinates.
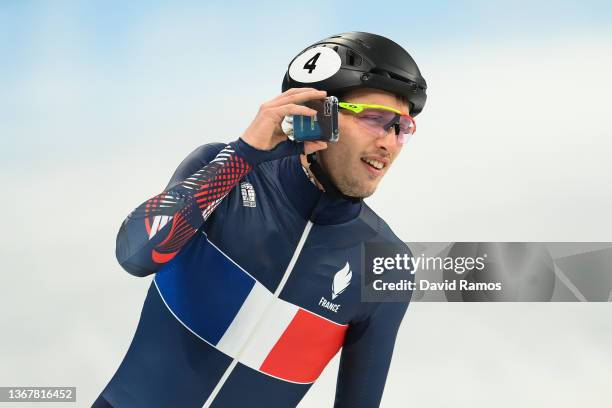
(340, 168)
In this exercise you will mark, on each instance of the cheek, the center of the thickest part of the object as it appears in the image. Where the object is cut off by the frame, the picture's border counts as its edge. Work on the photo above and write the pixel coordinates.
(345, 153)
(339, 156)
(395, 152)
(350, 135)
(346, 126)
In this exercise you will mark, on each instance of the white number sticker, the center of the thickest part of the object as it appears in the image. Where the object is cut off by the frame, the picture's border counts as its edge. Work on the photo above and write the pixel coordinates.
(316, 64)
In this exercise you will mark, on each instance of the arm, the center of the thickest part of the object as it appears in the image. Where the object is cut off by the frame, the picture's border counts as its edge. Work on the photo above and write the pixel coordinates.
(154, 232)
(366, 356)
(157, 230)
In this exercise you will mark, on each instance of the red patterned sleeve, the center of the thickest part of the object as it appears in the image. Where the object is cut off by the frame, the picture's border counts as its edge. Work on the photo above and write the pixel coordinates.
(156, 230)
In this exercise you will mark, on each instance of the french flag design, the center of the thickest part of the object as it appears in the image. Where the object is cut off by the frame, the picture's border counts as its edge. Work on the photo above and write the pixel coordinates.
(226, 307)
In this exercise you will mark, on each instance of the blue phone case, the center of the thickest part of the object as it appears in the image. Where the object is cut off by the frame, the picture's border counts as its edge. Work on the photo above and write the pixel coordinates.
(323, 126)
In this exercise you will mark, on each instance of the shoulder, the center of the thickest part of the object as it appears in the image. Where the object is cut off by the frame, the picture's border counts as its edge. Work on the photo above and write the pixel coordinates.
(383, 234)
(205, 153)
(198, 158)
(383, 231)
(384, 243)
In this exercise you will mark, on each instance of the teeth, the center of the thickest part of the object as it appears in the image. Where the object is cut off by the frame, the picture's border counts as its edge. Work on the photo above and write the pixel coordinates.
(374, 163)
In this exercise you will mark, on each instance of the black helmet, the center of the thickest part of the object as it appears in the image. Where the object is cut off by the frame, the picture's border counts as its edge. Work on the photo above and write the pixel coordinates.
(348, 61)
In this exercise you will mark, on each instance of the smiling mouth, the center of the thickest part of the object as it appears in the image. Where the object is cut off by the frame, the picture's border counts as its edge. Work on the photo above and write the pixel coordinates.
(375, 164)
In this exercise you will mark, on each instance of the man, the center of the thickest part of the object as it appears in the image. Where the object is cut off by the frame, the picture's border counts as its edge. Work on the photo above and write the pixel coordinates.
(256, 247)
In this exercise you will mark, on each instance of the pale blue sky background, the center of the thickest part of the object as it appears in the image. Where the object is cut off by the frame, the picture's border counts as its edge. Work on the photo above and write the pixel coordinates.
(82, 76)
(100, 101)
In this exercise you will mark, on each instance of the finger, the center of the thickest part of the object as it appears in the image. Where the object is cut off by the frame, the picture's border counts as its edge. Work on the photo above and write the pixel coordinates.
(292, 91)
(288, 92)
(292, 109)
(301, 97)
(314, 146)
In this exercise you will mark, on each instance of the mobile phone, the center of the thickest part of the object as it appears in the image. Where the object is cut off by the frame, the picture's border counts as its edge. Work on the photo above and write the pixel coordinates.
(322, 126)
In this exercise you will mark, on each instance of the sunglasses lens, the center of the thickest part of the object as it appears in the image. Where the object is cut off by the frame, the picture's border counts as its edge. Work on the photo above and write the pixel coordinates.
(376, 118)
(379, 121)
(406, 125)
(376, 121)
(403, 138)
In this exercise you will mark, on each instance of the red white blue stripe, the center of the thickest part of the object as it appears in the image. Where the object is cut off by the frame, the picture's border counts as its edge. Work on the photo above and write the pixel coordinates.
(225, 306)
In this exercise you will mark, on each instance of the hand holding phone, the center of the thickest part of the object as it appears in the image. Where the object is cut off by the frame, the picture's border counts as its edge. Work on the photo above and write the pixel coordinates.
(264, 132)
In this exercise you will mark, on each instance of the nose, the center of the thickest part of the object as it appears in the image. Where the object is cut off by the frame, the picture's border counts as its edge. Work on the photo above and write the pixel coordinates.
(388, 140)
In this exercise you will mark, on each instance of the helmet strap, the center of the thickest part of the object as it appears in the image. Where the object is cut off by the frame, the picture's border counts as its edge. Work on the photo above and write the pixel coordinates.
(325, 181)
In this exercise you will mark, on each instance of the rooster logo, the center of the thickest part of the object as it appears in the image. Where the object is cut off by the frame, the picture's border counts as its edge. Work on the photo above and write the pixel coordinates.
(342, 279)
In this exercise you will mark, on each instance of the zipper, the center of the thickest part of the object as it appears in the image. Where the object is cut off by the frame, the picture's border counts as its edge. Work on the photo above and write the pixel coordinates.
(277, 292)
